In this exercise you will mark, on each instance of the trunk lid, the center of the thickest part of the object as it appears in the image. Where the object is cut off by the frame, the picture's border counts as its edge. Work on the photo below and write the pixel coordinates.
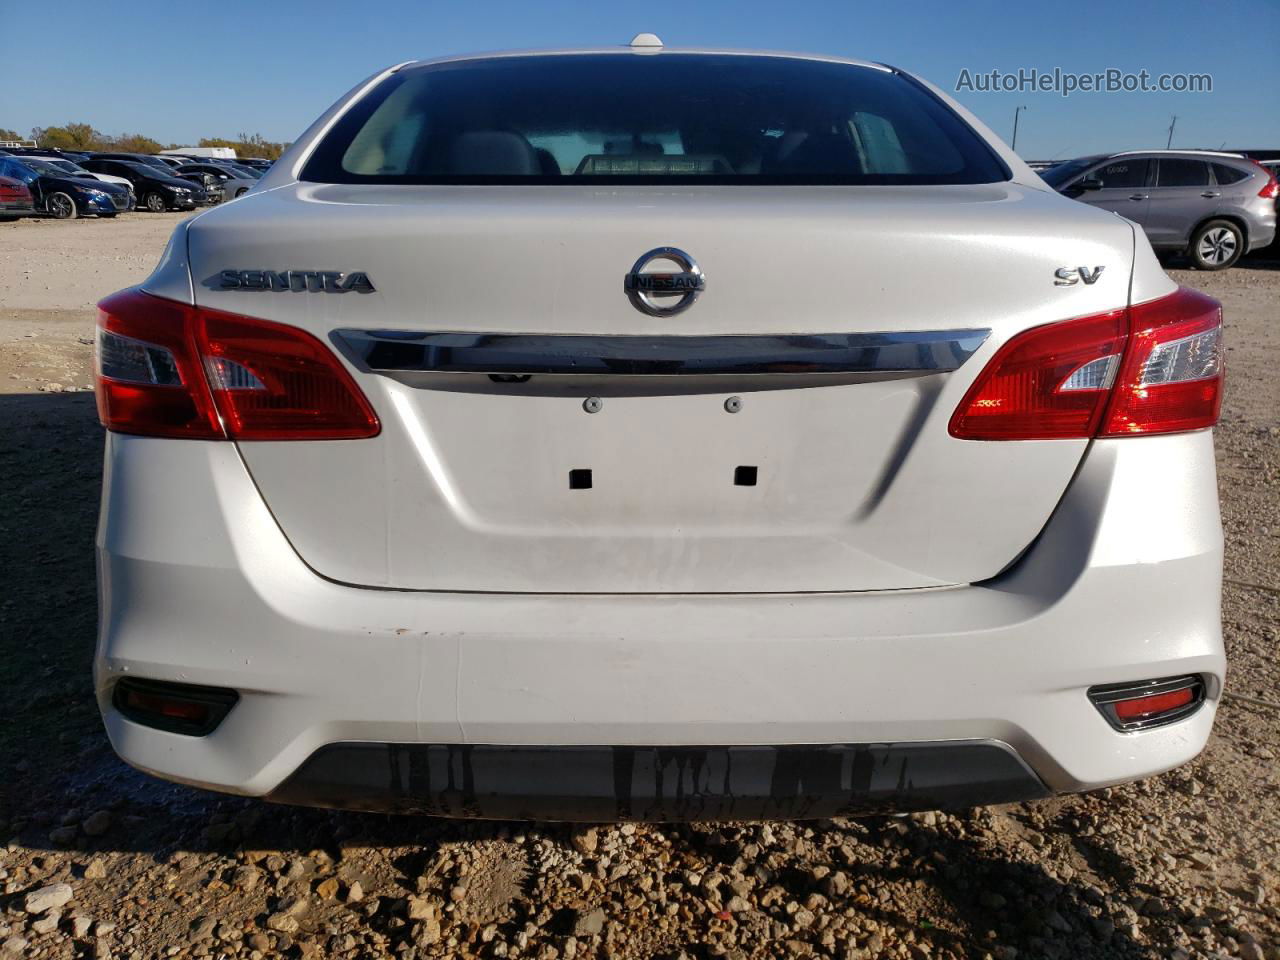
(857, 484)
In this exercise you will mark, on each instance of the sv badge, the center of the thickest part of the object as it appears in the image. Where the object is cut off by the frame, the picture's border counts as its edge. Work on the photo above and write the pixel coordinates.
(1066, 277)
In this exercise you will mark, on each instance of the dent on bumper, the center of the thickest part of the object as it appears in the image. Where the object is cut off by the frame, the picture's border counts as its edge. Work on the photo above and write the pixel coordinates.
(199, 585)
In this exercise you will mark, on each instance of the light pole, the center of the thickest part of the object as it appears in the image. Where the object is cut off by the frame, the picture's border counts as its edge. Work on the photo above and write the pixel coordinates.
(1173, 122)
(1014, 145)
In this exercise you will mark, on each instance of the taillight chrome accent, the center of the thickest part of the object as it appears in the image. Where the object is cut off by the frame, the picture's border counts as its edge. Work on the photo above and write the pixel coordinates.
(1130, 707)
(167, 369)
(1153, 368)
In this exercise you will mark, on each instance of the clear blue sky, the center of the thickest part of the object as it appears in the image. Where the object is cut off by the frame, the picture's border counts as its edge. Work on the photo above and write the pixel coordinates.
(178, 71)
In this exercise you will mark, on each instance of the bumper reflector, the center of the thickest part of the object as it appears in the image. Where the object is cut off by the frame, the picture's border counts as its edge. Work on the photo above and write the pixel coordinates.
(1148, 703)
(175, 707)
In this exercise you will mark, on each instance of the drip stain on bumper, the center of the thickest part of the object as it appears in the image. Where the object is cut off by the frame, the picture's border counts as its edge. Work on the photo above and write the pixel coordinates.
(601, 783)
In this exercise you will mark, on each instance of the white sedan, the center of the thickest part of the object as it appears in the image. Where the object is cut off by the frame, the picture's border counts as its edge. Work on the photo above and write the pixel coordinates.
(656, 434)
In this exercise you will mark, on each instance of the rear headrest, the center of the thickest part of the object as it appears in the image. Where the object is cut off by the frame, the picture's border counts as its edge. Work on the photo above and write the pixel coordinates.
(494, 153)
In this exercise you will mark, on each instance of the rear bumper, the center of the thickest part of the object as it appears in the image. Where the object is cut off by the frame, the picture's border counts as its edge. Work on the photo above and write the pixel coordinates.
(1263, 236)
(198, 585)
(1262, 223)
(597, 784)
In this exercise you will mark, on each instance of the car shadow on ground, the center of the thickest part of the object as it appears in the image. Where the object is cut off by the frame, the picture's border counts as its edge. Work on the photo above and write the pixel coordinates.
(60, 771)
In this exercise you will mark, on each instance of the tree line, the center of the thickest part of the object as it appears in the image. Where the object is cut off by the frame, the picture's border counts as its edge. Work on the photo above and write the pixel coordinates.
(82, 136)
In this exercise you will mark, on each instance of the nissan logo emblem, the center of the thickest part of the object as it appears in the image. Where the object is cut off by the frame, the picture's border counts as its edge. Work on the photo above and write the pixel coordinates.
(663, 293)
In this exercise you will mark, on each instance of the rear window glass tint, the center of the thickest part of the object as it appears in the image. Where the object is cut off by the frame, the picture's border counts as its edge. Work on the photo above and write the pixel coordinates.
(1226, 175)
(651, 119)
(1183, 173)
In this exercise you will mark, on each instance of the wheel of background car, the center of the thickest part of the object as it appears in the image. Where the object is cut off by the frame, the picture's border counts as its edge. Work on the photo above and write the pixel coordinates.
(155, 201)
(1217, 245)
(62, 207)
(242, 191)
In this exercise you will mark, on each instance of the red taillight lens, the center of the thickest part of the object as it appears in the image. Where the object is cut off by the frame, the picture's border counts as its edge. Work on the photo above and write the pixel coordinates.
(170, 370)
(1171, 379)
(1051, 382)
(272, 382)
(1142, 707)
(1154, 368)
(1271, 189)
(175, 707)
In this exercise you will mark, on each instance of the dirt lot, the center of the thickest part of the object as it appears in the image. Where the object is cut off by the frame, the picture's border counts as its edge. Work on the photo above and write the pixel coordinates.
(1187, 864)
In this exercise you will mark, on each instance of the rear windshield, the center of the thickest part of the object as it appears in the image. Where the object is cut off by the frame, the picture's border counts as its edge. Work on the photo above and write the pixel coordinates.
(658, 119)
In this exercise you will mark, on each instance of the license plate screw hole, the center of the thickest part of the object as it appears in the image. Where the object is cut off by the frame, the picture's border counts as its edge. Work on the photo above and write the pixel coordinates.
(733, 405)
(580, 479)
(744, 476)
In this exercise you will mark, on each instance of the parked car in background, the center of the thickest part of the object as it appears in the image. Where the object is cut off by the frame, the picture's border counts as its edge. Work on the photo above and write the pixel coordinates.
(209, 184)
(145, 159)
(41, 152)
(72, 168)
(258, 163)
(170, 162)
(230, 181)
(62, 195)
(15, 200)
(157, 190)
(1214, 207)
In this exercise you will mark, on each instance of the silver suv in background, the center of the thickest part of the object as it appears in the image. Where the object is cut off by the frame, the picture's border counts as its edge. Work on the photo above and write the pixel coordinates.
(1215, 207)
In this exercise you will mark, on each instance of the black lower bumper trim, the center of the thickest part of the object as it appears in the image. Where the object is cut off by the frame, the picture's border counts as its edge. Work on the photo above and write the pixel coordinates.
(599, 784)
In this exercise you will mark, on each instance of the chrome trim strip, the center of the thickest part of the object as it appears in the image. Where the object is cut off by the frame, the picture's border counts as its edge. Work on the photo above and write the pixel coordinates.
(933, 351)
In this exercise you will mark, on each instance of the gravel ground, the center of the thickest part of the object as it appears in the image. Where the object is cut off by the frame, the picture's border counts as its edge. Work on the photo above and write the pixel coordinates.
(106, 862)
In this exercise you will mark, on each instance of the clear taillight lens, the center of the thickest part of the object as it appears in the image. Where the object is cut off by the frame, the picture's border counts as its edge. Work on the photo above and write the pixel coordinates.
(134, 361)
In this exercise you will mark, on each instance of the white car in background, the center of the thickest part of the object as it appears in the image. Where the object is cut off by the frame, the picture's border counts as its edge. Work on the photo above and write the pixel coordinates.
(74, 169)
(657, 434)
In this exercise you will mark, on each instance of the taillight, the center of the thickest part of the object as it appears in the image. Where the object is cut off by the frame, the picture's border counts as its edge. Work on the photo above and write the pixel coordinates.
(1271, 189)
(1171, 379)
(1051, 382)
(149, 380)
(166, 369)
(1154, 368)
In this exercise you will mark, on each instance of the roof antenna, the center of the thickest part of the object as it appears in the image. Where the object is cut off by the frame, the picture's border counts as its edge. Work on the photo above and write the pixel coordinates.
(646, 40)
